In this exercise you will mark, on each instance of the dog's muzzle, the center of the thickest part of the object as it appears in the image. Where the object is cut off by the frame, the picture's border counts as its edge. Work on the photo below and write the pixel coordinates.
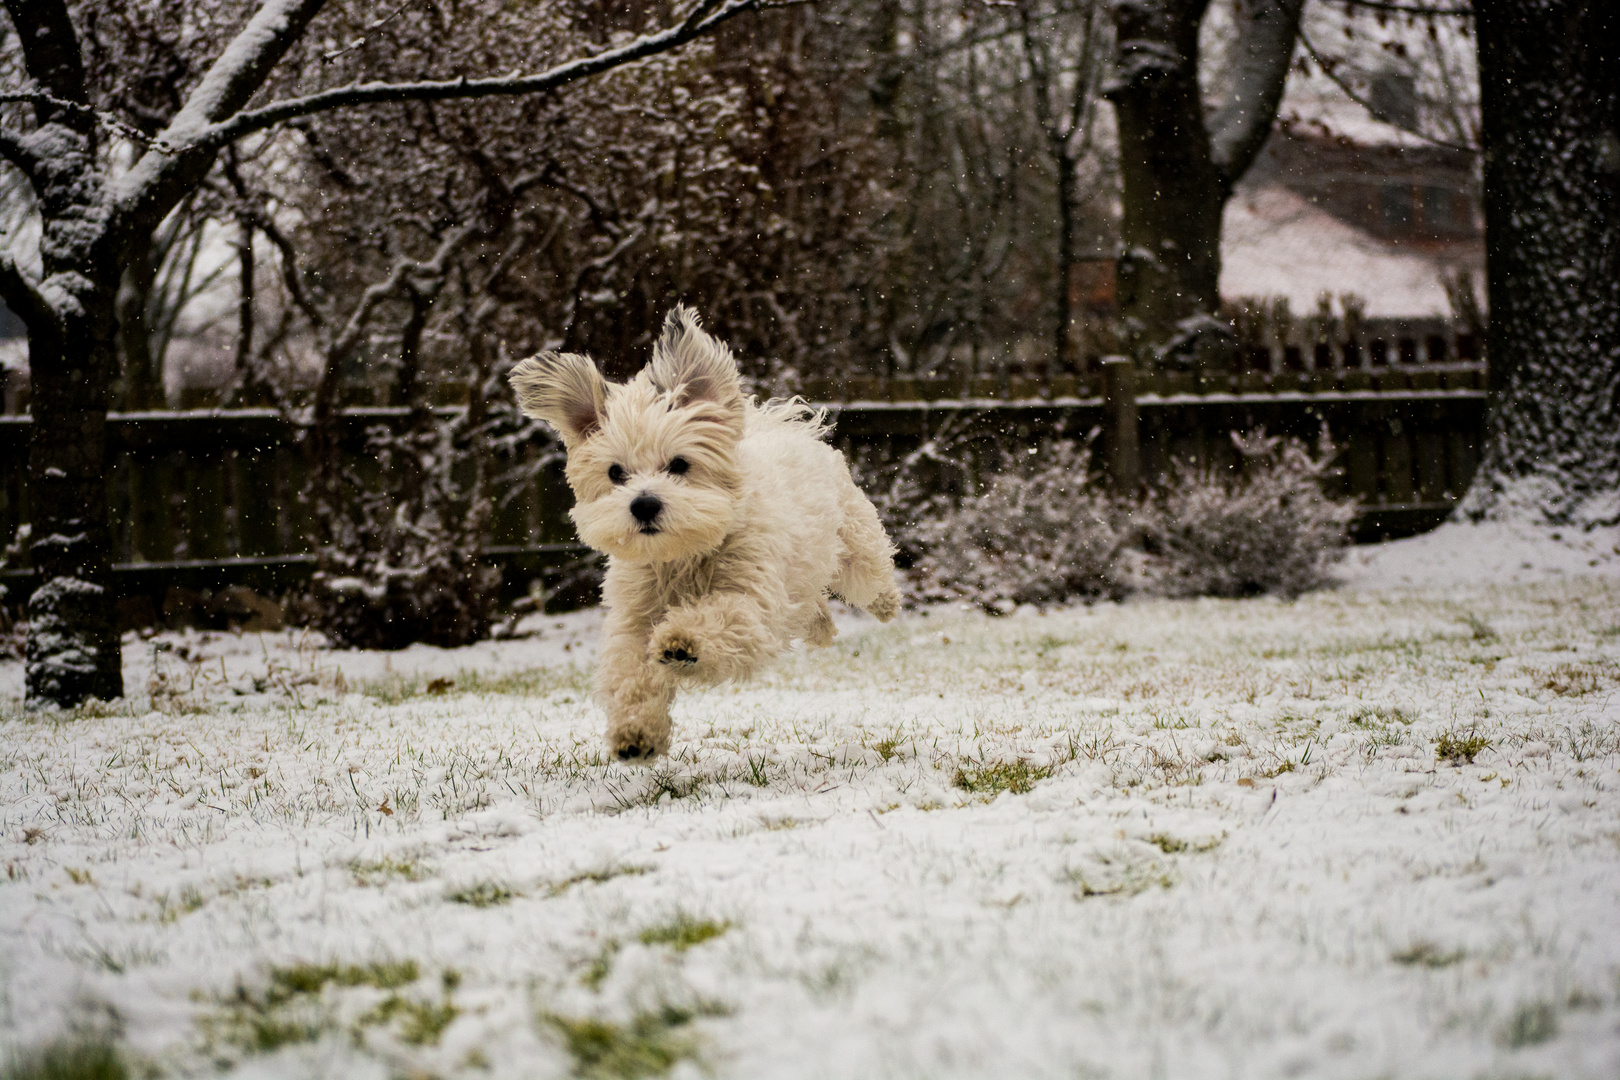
(645, 509)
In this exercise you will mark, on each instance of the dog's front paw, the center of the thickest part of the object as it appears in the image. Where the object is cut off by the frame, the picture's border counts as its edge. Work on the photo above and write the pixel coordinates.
(634, 748)
(675, 650)
(678, 655)
(886, 606)
(638, 741)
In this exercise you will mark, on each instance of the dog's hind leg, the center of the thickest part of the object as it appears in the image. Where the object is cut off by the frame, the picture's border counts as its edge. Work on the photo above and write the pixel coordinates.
(866, 572)
(821, 631)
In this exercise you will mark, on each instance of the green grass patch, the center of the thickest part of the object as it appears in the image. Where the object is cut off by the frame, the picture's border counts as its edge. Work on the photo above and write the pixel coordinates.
(1427, 954)
(290, 982)
(683, 931)
(481, 894)
(601, 965)
(1377, 716)
(1167, 843)
(290, 1011)
(1459, 748)
(994, 777)
(378, 871)
(535, 682)
(67, 1059)
(887, 747)
(1531, 1024)
(650, 1044)
(597, 877)
(421, 1023)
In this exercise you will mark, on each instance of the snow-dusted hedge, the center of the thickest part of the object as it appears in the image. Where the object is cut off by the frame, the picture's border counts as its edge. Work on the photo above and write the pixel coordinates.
(1040, 532)
(404, 560)
(1039, 529)
(1268, 528)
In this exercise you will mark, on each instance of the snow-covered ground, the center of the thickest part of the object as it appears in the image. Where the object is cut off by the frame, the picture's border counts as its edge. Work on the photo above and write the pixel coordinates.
(1159, 839)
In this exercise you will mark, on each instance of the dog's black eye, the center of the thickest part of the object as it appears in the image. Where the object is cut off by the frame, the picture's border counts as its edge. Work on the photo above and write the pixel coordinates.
(678, 466)
(616, 474)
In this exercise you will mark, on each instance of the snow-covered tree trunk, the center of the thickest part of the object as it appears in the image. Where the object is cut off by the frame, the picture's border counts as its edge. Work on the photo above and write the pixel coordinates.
(72, 649)
(1178, 167)
(1550, 102)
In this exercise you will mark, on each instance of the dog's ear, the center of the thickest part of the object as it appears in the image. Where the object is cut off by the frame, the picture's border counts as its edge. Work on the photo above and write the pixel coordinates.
(692, 366)
(563, 389)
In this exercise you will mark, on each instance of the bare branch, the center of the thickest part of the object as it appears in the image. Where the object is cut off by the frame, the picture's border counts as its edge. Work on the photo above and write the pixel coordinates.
(390, 286)
(711, 13)
(1265, 50)
(107, 120)
(163, 174)
(359, 42)
(1328, 67)
(50, 48)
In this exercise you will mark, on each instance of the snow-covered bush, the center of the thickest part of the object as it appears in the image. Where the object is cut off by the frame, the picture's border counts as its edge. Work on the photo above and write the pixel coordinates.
(1268, 529)
(402, 559)
(1038, 530)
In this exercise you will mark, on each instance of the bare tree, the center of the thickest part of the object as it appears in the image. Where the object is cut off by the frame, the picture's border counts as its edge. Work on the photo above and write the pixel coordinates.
(1179, 162)
(1066, 66)
(95, 211)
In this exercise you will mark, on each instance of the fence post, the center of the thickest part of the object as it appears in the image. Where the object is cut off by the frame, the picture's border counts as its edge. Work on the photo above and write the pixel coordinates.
(1122, 450)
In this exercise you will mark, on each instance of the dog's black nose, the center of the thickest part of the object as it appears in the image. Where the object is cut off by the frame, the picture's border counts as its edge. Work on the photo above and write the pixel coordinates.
(645, 507)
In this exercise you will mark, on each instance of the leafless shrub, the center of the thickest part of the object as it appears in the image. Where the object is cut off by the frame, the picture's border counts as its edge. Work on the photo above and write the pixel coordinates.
(1038, 531)
(1269, 529)
(404, 559)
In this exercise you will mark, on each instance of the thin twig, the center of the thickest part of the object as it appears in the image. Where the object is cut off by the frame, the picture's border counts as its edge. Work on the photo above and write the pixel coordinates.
(709, 13)
(360, 41)
(1376, 113)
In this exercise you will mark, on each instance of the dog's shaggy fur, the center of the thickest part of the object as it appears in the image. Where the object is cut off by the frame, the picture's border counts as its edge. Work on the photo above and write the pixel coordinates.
(726, 523)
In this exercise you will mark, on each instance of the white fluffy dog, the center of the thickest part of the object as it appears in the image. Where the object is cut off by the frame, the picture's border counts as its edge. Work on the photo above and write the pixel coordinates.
(726, 523)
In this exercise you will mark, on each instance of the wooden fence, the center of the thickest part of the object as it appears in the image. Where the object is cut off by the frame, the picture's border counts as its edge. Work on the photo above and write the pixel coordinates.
(202, 499)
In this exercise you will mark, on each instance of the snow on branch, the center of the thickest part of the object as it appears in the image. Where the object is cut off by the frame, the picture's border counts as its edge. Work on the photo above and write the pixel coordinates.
(704, 16)
(1265, 49)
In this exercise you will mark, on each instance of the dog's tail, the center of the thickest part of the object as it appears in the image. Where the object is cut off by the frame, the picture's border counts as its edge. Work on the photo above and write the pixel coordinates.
(792, 412)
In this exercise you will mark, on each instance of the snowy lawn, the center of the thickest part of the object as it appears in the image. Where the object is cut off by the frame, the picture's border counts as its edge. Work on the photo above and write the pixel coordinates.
(1375, 832)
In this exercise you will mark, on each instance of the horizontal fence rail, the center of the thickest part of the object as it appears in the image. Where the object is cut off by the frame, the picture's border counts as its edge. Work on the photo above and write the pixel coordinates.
(203, 499)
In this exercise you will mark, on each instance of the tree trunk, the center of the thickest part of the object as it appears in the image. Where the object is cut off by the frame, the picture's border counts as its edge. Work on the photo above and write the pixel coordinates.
(1550, 103)
(72, 649)
(1170, 266)
(1178, 167)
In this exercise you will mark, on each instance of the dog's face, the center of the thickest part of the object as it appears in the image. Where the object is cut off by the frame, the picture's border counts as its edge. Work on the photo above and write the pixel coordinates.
(652, 462)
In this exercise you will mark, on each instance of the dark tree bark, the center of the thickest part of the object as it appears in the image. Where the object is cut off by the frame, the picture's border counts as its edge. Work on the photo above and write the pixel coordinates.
(1550, 103)
(1178, 166)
